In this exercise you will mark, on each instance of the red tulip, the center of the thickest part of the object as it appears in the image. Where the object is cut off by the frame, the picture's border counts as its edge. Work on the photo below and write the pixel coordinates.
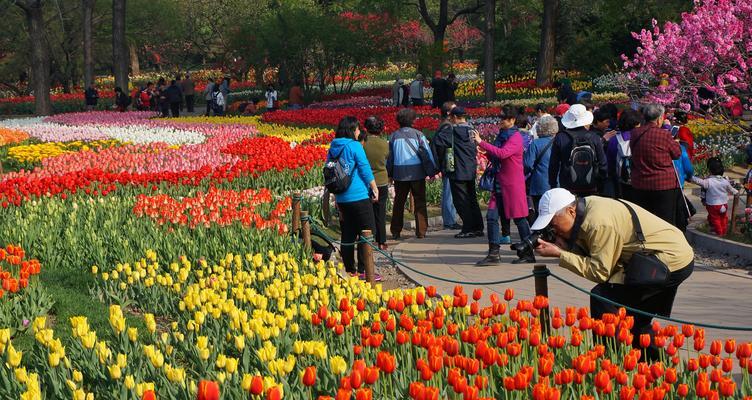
(364, 394)
(509, 294)
(309, 376)
(257, 385)
(149, 395)
(682, 390)
(274, 393)
(208, 390)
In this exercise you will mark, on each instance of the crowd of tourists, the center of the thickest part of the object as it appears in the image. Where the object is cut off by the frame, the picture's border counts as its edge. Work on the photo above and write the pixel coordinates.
(596, 187)
(167, 99)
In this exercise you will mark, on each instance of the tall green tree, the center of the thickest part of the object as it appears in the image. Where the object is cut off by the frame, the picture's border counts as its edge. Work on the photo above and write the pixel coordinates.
(40, 55)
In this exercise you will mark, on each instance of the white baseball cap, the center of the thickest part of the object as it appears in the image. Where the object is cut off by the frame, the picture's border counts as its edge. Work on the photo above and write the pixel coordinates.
(552, 202)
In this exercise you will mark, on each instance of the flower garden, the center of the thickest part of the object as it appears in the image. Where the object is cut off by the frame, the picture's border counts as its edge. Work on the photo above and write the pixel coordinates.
(153, 258)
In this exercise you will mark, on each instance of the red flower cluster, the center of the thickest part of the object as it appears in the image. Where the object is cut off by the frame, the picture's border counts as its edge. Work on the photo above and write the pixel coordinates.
(14, 257)
(581, 356)
(331, 117)
(382, 92)
(263, 154)
(215, 207)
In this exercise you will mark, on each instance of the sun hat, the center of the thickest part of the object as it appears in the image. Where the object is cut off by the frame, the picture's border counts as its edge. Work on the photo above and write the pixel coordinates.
(577, 116)
(552, 202)
(561, 109)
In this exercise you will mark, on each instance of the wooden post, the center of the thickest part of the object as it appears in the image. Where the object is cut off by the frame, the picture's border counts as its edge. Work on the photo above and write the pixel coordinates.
(541, 289)
(733, 213)
(306, 230)
(296, 213)
(367, 252)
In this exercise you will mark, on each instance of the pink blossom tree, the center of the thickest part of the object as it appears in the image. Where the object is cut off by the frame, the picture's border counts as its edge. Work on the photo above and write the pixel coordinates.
(696, 62)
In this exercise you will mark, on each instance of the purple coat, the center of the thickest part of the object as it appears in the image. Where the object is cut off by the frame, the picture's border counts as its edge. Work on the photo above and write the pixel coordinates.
(511, 176)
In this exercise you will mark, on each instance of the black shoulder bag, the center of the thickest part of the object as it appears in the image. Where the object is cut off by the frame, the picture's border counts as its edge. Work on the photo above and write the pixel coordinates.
(429, 168)
(644, 268)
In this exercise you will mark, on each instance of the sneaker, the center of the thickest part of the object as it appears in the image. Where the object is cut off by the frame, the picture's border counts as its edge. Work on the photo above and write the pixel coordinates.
(454, 227)
(395, 236)
(464, 235)
(376, 277)
(524, 260)
(506, 240)
(491, 259)
(478, 234)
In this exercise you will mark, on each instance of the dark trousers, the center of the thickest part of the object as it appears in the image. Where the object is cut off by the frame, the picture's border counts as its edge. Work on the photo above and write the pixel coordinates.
(654, 300)
(208, 107)
(175, 109)
(379, 213)
(625, 192)
(418, 190)
(164, 108)
(661, 203)
(189, 102)
(465, 200)
(354, 217)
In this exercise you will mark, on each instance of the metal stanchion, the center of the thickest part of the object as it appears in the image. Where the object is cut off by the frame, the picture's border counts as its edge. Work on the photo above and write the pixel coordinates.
(367, 251)
(306, 229)
(541, 289)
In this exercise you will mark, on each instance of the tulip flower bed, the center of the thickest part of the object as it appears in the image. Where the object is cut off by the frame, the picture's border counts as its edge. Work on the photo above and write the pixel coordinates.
(270, 326)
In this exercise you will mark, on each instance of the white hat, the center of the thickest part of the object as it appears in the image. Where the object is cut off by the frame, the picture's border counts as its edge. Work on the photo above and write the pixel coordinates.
(552, 202)
(577, 116)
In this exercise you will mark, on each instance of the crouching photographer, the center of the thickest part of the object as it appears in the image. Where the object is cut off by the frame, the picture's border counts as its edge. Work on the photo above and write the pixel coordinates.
(636, 258)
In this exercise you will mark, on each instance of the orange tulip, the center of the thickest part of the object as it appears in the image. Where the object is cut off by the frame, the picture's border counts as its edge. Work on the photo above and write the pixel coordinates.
(364, 394)
(208, 390)
(274, 394)
(309, 376)
(730, 346)
(509, 294)
(149, 395)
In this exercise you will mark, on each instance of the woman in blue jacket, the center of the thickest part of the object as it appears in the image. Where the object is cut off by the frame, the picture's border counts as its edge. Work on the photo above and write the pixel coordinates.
(356, 203)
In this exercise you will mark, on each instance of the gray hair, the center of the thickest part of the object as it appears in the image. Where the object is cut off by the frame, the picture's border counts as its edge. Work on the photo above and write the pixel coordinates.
(547, 126)
(652, 111)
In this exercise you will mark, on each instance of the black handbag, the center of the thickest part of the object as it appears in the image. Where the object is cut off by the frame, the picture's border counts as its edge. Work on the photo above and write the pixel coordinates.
(429, 168)
(487, 181)
(644, 268)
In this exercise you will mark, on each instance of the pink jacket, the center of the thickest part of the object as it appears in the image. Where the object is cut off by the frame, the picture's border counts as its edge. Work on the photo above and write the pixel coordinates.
(511, 176)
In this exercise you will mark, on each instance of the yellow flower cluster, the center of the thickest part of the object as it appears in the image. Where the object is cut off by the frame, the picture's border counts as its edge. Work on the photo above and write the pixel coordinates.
(705, 127)
(32, 153)
(243, 307)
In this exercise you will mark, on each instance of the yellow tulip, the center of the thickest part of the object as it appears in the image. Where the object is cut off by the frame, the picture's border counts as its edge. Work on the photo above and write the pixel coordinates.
(130, 383)
(115, 372)
(338, 365)
(13, 356)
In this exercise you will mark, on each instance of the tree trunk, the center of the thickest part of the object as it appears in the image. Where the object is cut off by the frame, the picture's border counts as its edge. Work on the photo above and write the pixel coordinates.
(489, 84)
(119, 45)
(88, 20)
(40, 56)
(547, 52)
(135, 66)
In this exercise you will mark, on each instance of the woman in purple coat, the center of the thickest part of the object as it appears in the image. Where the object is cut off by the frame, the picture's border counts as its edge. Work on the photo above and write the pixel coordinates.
(505, 155)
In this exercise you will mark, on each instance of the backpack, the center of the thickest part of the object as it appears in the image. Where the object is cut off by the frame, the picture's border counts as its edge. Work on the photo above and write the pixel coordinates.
(582, 169)
(623, 160)
(337, 176)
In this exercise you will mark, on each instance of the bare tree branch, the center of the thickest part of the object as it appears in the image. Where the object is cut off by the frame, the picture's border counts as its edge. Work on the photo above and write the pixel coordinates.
(467, 10)
(423, 9)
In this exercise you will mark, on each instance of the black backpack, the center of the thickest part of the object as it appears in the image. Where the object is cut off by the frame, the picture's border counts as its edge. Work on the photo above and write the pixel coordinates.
(583, 173)
(336, 175)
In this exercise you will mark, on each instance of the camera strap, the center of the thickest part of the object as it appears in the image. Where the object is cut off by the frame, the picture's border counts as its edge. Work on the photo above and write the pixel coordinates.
(580, 215)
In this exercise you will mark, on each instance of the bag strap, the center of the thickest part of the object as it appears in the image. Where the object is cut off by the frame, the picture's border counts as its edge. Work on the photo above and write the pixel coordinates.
(539, 158)
(635, 222)
(414, 149)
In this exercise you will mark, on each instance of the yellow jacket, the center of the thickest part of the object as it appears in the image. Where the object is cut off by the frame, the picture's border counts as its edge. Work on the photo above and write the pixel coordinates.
(606, 241)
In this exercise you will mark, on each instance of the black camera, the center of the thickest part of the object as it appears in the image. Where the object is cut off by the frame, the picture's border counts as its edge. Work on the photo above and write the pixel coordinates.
(525, 248)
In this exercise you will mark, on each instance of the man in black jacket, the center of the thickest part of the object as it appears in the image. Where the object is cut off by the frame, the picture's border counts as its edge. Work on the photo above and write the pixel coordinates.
(175, 98)
(462, 177)
(578, 162)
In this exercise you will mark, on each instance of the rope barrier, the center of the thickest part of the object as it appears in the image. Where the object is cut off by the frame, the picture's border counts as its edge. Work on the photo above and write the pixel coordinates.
(536, 273)
(369, 241)
(647, 314)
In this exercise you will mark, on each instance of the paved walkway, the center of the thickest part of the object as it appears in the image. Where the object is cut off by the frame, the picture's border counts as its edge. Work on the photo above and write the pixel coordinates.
(721, 297)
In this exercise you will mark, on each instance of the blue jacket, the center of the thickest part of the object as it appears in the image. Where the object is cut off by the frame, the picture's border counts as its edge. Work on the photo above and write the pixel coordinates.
(538, 182)
(354, 157)
(403, 163)
(684, 166)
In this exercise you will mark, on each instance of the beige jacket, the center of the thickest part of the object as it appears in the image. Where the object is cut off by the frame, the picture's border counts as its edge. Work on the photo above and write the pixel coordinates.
(606, 241)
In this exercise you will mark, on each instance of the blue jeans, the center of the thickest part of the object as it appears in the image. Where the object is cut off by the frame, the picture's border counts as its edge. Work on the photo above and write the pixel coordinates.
(492, 221)
(448, 212)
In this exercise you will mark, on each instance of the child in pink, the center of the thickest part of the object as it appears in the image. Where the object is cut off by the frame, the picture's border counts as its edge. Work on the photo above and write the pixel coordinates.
(717, 188)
